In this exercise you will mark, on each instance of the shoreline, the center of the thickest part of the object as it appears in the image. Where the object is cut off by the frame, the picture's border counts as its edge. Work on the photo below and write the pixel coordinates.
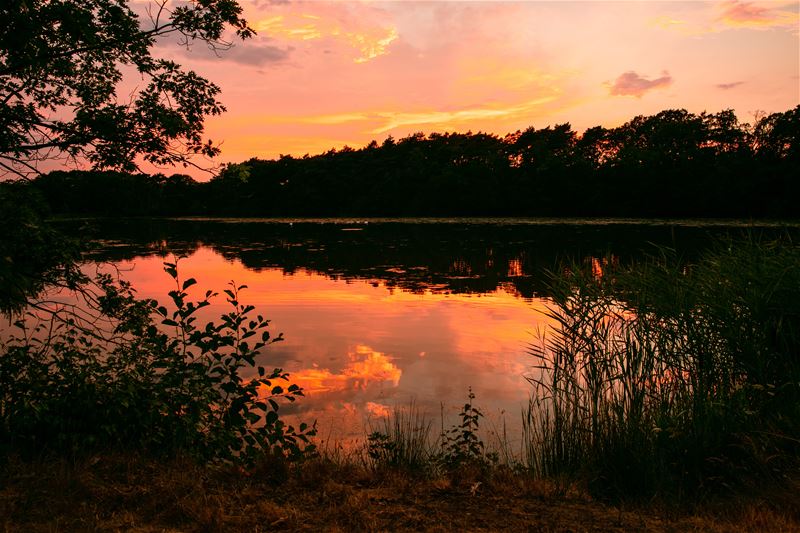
(118, 492)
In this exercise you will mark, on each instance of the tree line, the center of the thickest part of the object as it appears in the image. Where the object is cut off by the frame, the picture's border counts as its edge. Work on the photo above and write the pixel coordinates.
(671, 164)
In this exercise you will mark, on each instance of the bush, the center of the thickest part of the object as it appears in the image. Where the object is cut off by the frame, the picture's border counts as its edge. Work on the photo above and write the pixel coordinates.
(461, 445)
(404, 442)
(107, 375)
(32, 254)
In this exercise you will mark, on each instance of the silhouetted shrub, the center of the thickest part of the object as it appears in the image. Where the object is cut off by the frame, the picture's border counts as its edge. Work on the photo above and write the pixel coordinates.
(117, 372)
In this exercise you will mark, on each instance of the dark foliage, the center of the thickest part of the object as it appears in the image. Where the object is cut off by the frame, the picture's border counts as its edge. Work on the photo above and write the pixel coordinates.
(61, 65)
(119, 373)
(673, 164)
(663, 379)
(32, 253)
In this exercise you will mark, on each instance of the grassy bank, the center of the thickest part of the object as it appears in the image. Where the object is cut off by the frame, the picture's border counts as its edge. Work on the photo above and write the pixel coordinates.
(656, 381)
(127, 493)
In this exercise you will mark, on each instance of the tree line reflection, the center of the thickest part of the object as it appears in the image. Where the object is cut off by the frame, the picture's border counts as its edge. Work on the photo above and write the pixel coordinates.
(410, 256)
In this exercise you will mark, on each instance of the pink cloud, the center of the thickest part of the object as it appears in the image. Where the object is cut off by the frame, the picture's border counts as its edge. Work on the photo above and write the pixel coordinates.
(735, 11)
(750, 15)
(632, 84)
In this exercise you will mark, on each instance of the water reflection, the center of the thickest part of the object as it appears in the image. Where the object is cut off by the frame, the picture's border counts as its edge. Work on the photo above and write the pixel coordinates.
(360, 348)
(411, 256)
(364, 366)
(393, 312)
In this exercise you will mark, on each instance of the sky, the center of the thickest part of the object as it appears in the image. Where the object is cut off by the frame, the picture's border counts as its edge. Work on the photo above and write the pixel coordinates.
(321, 75)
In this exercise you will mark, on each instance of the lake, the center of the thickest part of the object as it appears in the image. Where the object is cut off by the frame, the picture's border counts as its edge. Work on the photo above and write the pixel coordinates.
(380, 313)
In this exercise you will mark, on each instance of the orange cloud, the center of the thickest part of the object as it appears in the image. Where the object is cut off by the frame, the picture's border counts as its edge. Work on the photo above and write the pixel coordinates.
(384, 121)
(369, 41)
(452, 119)
(365, 366)
(668, 22)
(372, 46)
(378, 410)
(292, 26)
(632, 84)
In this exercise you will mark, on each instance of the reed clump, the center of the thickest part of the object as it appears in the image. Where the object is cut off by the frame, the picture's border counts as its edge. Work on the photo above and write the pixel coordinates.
(401, 441)
(672, 380)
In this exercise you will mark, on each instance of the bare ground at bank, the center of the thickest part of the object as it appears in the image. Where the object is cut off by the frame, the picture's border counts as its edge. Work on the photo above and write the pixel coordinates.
(128, 494)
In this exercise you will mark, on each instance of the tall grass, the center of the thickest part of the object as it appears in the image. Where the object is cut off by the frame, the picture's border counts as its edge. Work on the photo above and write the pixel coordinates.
(402, 440)
(664, 379)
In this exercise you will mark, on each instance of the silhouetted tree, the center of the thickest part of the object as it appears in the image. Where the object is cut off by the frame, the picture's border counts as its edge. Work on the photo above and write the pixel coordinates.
(61, 63)
(778, 135)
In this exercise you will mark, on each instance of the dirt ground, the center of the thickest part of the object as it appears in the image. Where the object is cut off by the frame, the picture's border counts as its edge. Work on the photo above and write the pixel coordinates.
(114, 494)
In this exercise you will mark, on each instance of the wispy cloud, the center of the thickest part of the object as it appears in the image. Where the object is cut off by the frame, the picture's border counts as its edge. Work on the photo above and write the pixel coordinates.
(371, 46)
(736, 11)
(257, 52)
(633, 84)
(368, 41)
(730, 85)
(669, 23)
(733, 14)
(378, 122)
(451, 119)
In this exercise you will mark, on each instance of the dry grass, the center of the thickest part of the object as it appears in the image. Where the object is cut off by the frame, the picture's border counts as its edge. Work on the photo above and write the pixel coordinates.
(129, 494)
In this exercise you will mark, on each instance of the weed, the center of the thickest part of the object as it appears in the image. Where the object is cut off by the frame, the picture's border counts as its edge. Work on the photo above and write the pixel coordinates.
(461, 444)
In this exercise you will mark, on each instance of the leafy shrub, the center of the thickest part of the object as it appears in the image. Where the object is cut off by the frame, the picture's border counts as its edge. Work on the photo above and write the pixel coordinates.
(108, 375)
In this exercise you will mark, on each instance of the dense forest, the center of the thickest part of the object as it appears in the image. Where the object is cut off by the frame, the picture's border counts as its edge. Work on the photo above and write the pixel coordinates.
(672, 164)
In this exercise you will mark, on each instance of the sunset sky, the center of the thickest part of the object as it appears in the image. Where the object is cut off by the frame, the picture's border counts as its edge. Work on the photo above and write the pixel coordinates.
(321, 75)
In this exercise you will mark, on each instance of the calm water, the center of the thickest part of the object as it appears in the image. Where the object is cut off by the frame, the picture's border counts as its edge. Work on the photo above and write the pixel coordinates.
(376, 314)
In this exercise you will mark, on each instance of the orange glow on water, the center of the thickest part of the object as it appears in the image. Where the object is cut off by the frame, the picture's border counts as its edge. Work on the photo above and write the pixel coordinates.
(597, 268)
(360, 348)
(378, 410)
(365, 366)
(514, 268)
